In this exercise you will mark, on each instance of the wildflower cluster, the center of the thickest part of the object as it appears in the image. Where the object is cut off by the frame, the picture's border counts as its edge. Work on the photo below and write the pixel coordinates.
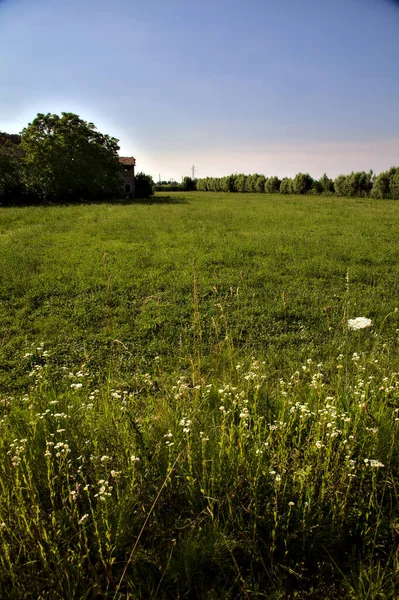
(17, 449)
(186, 424)
(104, 491)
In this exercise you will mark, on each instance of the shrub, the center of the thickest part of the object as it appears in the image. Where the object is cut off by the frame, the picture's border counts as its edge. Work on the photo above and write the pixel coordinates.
(144, 185)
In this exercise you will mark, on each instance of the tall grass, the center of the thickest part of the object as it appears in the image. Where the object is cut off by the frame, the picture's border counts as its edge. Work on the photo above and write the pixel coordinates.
(247, 487)
(226, 462)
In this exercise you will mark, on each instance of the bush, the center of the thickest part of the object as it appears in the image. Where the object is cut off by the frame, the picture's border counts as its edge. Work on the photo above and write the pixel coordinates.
(144, 186)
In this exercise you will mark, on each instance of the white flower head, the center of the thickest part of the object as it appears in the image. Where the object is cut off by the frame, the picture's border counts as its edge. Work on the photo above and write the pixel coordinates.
(359, 323)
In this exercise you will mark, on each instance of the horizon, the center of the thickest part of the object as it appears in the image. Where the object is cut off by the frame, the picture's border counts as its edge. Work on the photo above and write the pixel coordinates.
(276, 89)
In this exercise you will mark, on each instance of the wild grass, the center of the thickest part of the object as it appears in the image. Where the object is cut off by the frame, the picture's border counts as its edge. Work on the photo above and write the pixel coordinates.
(185, 413)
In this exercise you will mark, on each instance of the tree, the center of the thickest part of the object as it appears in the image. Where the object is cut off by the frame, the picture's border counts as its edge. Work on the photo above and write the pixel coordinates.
(341, 185)
(354, 185)
(326, 184)
(144, 185)
(381, 186)
(272, 185)
(188, 184)
(11, 189)
(394, 183)
(302, 183)
(250, 183)
(227, 183)
(241, 183)
(286, 186)
(67, 158)
(260, 184)
(359, 184)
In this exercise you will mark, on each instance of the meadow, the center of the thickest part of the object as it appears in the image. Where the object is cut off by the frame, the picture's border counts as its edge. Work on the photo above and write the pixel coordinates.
(185, 412)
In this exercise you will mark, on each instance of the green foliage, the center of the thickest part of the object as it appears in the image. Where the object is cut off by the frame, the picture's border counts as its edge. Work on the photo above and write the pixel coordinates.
(260, 184)
(272, 185)
(359, 184)
(255, 183)
(302, 183)
(354, 185)
(166, 186)
(188, 184)
(241, 183)
(341, 185)
(144, 186)
(67, 158)
(394, 184)
(228, 184)
(385, 185)
(286, 186)
(11, 188)
(381, 186)
(326, 184)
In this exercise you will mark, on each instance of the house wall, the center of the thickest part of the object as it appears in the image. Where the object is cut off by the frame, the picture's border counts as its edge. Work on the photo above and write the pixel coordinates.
(127, 176)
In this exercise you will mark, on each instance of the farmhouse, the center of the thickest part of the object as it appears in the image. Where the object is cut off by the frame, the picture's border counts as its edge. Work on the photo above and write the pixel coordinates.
(127, 174)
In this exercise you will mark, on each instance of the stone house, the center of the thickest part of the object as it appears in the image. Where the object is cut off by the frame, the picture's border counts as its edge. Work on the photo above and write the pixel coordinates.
(127, 175)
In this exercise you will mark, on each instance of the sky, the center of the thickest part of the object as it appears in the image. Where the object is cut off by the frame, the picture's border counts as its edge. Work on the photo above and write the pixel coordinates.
(269, 86)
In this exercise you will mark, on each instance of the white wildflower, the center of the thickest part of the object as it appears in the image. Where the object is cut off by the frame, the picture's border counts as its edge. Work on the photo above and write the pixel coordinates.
(83, 519)
(359, 323)
(374, 464)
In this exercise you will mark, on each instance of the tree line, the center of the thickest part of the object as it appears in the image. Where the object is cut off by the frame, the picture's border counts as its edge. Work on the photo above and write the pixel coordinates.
(357, 184)
(63, 158)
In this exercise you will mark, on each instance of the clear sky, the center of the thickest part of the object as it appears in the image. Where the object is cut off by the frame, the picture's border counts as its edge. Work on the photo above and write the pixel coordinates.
(268, 86)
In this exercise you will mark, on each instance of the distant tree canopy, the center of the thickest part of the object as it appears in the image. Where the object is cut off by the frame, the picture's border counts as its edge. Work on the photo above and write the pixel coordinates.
(188, 184)
(14, 138)
(302, 183)
(358, 184)
(386, 185)
(61, 158)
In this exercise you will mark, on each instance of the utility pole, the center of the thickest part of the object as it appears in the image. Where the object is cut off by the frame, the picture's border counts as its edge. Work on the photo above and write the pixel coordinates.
(193, 169)
(159, 178)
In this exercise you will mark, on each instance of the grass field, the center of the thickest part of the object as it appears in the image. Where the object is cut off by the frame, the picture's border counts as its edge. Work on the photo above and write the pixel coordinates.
(185, 413)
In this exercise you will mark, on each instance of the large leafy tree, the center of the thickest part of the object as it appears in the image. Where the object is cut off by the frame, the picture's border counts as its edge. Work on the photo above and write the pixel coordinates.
(11, 188)
(66, 157)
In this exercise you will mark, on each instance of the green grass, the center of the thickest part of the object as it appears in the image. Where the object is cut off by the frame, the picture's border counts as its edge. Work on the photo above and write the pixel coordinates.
(184, 410)
(79, 277)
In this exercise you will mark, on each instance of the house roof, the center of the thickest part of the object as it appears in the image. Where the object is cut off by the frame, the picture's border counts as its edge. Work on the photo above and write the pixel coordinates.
(127, 160)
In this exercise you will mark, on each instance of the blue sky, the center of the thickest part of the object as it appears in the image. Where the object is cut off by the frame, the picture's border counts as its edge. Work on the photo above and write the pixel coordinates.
(268, 86)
